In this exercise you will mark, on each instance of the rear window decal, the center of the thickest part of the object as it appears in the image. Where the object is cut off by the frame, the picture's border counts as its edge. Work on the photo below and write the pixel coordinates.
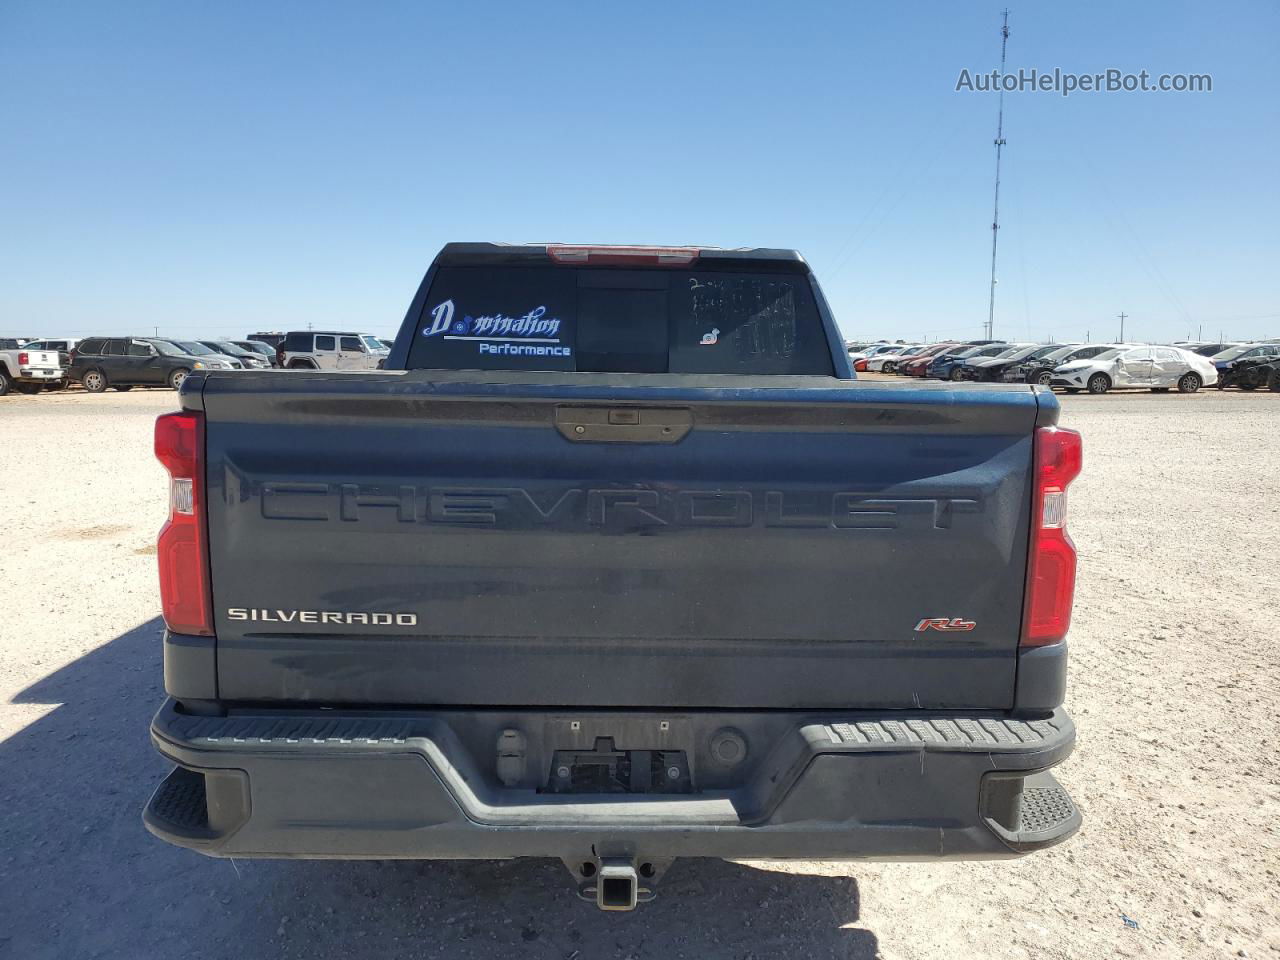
(532, 326)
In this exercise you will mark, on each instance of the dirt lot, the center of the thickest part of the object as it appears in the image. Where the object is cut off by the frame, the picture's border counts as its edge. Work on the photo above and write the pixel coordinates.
(1174, 687)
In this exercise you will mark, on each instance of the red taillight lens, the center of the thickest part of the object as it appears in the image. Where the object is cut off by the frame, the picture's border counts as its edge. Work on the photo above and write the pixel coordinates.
(1051, 567)
(662, 256)
(24, 359)
(184, 566)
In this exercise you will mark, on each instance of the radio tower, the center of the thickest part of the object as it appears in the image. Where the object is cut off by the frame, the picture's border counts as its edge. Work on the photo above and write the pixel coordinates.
(995, 217)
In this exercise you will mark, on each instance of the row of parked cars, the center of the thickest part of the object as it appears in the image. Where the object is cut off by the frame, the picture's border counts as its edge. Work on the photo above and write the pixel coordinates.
(1076, 367)
(123, 363)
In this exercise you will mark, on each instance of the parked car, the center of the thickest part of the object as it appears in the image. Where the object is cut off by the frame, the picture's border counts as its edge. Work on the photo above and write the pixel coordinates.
(1244, 351)
(1251, 373)
(1154, 368)
(1040, 369)
(28, 369)
(270, 339)
(128, 362)
(532, 597)
(917, 365)
(993, 369)
(864, 349)
(888, 361)
(248, 359)
(63, 345)
(861, 361)
(197, 348)
(946, 365)
(1207, 349)
(975, 367)
(330, 350)
(263, 349)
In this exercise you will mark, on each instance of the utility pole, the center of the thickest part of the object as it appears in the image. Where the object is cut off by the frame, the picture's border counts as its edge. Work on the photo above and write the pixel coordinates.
(995, 216)
(1122, 316)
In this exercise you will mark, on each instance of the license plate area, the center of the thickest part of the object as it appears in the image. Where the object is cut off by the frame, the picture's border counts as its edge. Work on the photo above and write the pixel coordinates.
(605, 769)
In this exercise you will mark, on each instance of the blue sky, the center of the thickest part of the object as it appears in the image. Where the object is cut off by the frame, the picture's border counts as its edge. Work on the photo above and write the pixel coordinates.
(219, 168)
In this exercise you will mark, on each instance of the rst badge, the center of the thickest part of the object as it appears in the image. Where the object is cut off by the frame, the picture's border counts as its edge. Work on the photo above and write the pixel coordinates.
(945, 625)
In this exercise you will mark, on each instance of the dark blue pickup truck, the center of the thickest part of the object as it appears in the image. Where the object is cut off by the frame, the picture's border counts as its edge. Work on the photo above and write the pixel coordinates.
(616, 562)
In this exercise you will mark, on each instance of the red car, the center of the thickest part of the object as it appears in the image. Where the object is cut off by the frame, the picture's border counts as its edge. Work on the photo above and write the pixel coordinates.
(917, 365)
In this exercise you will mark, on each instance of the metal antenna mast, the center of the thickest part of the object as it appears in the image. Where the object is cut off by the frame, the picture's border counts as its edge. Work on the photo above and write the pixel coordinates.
(995, 217)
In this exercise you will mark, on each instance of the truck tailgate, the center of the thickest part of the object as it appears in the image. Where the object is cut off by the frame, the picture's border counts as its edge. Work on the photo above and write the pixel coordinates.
(571, 540)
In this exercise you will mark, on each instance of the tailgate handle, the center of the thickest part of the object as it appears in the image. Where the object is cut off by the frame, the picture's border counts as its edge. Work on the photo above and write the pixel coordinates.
(624, 424)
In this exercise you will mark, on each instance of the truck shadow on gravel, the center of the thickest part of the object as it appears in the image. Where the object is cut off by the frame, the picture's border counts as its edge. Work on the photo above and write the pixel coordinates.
(80, 877)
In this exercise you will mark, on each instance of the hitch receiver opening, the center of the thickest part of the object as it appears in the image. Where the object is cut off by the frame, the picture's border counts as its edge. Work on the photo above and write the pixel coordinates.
(617, 887)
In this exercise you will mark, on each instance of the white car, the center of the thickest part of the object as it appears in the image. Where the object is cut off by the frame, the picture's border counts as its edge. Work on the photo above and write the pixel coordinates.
(887, 361)
(858, 351)
(1135, 368)
(876, 350)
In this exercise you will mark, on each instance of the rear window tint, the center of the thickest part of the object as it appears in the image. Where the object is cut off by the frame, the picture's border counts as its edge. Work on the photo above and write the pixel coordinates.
(620, 321)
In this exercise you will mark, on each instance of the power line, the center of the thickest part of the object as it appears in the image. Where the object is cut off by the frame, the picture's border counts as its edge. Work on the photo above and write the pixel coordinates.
(995, 216)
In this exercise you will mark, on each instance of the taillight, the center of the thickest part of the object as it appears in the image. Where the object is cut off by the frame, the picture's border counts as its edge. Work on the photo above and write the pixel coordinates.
(1051, 567)
(661, 256)
(24, 359)
(184, 567)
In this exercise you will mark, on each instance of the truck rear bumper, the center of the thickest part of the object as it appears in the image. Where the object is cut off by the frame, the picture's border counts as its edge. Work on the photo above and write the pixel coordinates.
(352, 784)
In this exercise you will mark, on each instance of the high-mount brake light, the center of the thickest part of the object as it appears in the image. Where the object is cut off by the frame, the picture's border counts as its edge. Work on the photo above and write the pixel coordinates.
(1051, 566)
(662, 256)
(181, 549)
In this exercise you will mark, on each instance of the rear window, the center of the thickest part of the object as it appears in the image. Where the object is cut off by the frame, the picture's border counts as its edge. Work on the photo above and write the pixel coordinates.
(608, 320)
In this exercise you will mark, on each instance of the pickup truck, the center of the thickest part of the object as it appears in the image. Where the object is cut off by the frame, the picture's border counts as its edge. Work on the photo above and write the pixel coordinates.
(615, 563)
(28, 369)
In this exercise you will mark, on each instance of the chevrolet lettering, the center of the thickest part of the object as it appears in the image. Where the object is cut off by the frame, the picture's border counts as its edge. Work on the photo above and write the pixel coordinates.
(609, 507)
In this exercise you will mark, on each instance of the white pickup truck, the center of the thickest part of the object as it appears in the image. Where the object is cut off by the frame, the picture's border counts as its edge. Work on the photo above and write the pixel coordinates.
(28, 370)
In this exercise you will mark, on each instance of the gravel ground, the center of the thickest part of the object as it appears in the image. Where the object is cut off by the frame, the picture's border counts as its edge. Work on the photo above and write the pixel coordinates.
(1173, 686)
